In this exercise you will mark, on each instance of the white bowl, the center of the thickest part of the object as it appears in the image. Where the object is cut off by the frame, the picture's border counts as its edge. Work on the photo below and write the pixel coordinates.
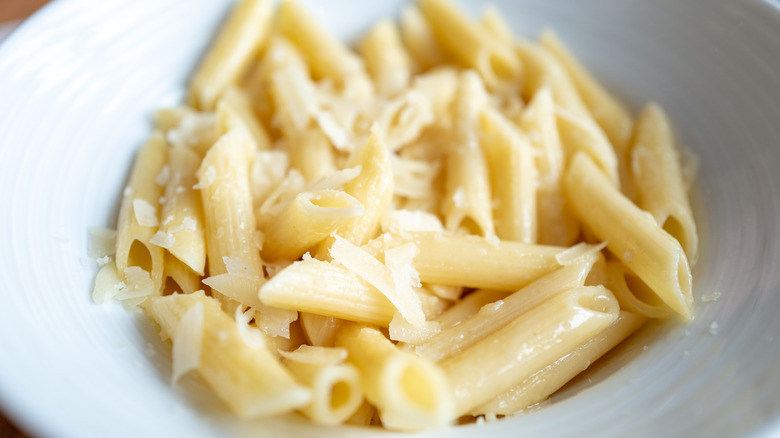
(78, 83)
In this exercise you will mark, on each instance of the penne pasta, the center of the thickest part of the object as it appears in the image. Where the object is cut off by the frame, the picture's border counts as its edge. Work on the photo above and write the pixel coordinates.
(632, 235)
(386, 59)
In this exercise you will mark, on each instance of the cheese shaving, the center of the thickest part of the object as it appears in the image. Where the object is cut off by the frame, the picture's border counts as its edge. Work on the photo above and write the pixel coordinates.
(251, 336)
(241, 287)
(401, 330)
(102, 242)
(274, 321)
(145, 213)
(163, 239)
(395, 285)
(187, 342)
(107, 284)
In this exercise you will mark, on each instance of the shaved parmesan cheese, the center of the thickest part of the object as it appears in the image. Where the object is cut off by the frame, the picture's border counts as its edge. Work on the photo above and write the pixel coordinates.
(102, 242)
(163, 239)
(317, 355)
(192, 129)
(414, 178)
(164, 176)
(395, 285)
(241, 287)
(400, 221)
(107, 284)
(336, 180)
(138, 284)
(188, 341)
(103, 260)
(206, 178)
(268, 169)
(188, 223)
(251, 336)
(145, 213)
(401, 330)
(274, 321)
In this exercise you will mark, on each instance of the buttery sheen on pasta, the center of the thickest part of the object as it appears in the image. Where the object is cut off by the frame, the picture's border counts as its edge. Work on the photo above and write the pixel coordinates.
(444, 224)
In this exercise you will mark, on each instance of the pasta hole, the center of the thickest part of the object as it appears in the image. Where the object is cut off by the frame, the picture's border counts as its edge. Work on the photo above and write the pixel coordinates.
(340, 394)
(674, 227)
(140, 256)
(413, 384)
(171, 287)
(642, 291)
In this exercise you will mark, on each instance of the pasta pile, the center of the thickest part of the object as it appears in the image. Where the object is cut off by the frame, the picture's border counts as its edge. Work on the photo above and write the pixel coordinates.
(444, 225)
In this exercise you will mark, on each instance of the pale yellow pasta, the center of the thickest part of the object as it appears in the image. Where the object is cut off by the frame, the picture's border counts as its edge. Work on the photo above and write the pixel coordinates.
(468, 306)
(335, 389)
(513, 178)
(373, 188)
(493, 316)
(467, 199)
(234, 110)
(181, 229)
(631, 234)
(609, 112)
(541, 384)
(248, 379)
(580, 133)
(185, 279)
(632, 293)
(139, 213)
(419, 38)
(223, 181)
(494, 23)
(327, 289)
(237, 44)
(319, 330)
(473, 261)
(528, 343)
(541, 70)
(327, 56)
(471, 45)
(311, 153)
(307, 220)
(386, 59)
(409, 392)
(659, 181)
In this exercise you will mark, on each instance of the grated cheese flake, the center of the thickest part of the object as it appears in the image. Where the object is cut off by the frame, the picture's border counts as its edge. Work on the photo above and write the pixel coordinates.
(242, 287)
(163, 239)
(145, 213)
(107, 284)
(274, 321)
(396, 286)
(102, 242)
(401, 330)
(251, 336)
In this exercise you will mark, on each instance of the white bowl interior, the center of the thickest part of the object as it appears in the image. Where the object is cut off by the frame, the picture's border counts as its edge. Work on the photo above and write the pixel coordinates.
(79, 82)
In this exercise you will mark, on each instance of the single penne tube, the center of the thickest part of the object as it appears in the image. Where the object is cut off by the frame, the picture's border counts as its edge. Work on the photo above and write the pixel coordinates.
(185, 279)
(247, 378)
(473, 261)
(292, 90)
(182, 229)
(659, 181)
(467, 200)
(409, 392)
(532, 340)
(327, 56)
(579, 132)
(307, 220)
(632, 293)
(513, 178)
(631, 234)
(237, 44)
(471, 45)
(468, 307)
(327, 289)
(492, 316)
(223, 181)
(335, 389)
(373, 188)
(543, 383)
(538, 122)
(139, 213)
(234, 109)
(386, 59)
(607, 110)
(419, 39)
